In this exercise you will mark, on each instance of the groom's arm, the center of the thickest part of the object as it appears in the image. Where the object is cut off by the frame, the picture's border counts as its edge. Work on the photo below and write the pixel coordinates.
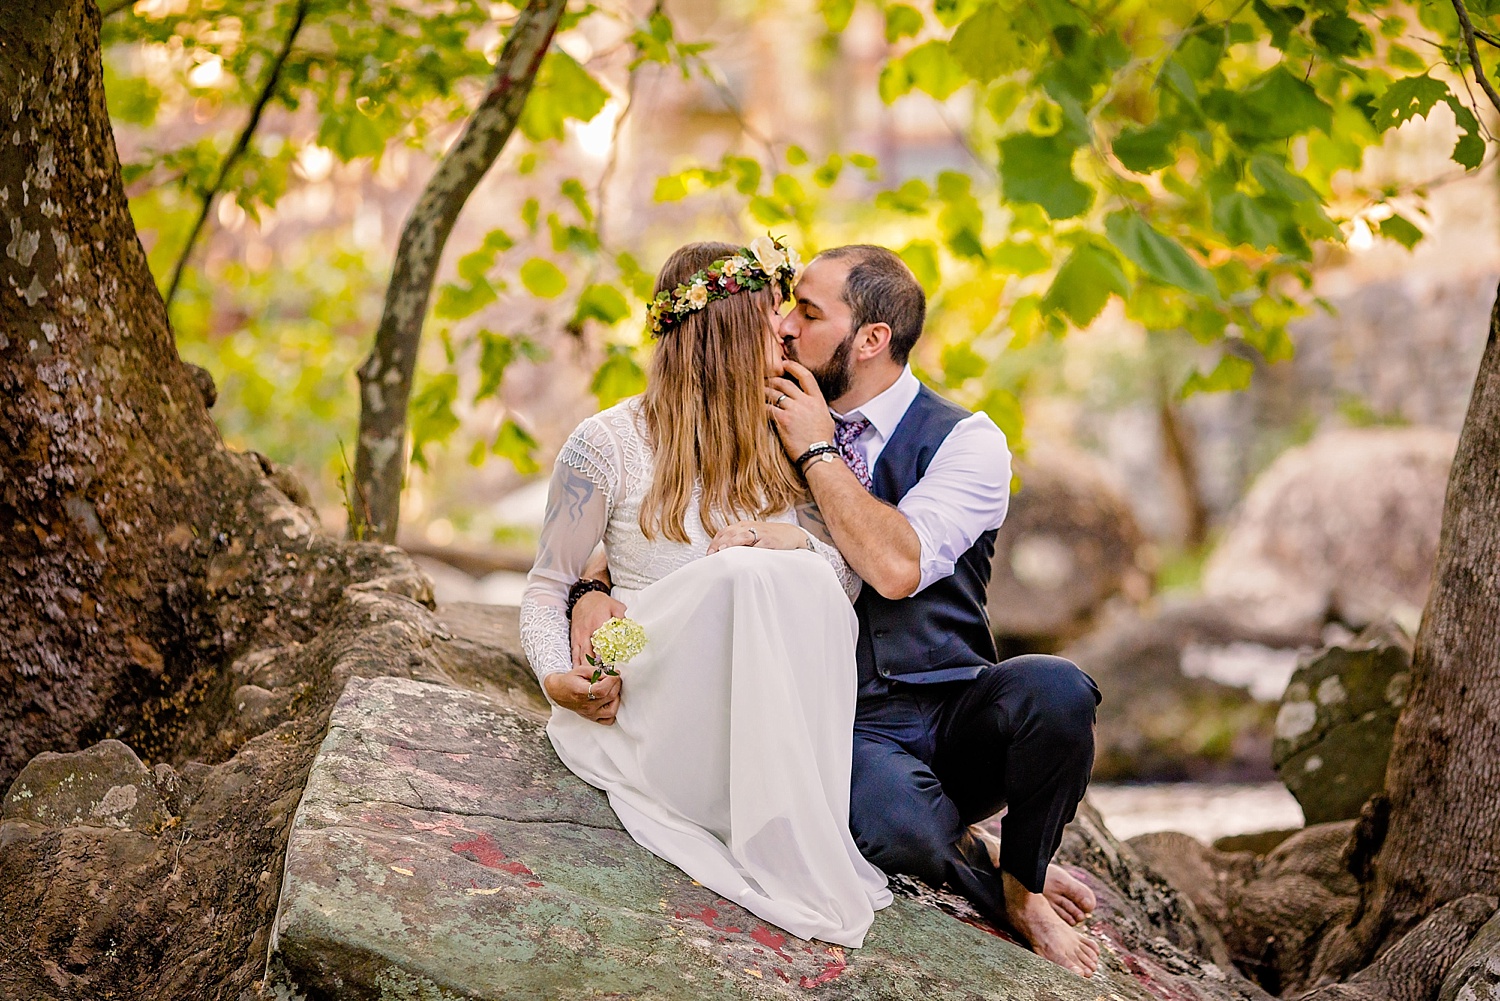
(876, 539)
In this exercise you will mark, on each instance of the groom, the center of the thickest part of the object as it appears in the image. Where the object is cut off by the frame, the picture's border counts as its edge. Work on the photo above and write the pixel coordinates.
(912, 489)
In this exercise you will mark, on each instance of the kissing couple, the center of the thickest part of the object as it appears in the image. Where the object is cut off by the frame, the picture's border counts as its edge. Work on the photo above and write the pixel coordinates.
(804, 531)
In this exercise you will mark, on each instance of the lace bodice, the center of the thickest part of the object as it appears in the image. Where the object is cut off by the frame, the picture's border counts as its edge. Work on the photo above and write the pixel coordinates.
(598, 486)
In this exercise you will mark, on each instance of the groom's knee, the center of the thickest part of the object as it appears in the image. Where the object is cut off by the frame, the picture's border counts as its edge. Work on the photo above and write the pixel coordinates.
(903, 833)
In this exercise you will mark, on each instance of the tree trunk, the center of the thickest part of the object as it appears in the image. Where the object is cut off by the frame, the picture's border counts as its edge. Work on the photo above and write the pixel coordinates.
(1442, 841)
(386, 376)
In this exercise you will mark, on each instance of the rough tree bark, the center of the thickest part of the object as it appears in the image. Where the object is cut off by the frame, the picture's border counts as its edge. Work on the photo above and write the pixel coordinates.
(1441, 841)
(386, 376)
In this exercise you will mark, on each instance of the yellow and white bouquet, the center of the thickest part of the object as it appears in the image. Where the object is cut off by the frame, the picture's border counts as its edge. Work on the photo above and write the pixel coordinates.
(615, 642)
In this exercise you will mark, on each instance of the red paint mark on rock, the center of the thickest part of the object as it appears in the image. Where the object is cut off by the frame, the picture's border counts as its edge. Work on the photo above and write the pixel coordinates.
(782, 974)
(488, 854)
(534, 884)
(770, 940)
(708, 916)
(831, 970)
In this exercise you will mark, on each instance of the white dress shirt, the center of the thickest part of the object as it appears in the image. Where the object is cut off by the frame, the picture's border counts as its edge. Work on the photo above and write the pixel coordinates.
(966, 489)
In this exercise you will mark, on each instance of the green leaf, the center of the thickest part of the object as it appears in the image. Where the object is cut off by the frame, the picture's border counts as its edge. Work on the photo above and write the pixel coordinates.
(1039, 169)
(1279, 21)
(542, 278)
(1231, 373)
(351, 134)
(766, 212)
(931, 69)
(1084, 284)
(1276, 106)
(431, 415)
(1340, 35)
(496, 352)
(513, 443)
(603, 303)
(1400, 229)
(921, 256)
(1242, 221)
(1408, 98)
(1158, 255)
(836, 14)
(563, 90)
(1005, 410)
(1469, 150)
(987, 45)
(454, 302)
(620, 376)
(961, 363)
(1020, 258)
(901, 22)
(911, 198)
(670, 188)
(1148, 149)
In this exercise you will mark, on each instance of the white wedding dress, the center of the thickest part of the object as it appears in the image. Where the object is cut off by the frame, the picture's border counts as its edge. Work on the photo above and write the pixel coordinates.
(730, 755)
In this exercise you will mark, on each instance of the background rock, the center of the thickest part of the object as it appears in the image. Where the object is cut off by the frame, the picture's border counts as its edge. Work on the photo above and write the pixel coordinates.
(1343, 528)
(1069, 542)
(1476, 975)
(1337, 720)
(102, 786)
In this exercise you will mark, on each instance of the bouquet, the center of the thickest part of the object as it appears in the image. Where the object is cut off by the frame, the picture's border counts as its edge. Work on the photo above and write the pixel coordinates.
(615, 642)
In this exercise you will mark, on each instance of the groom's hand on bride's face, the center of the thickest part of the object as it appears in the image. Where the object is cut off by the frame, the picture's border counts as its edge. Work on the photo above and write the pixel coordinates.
(796, 404)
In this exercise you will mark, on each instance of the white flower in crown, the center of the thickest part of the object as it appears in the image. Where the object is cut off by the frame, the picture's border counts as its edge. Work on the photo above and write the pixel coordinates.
(794, 261)
(697, 295)
(767, 254)
(735, 265)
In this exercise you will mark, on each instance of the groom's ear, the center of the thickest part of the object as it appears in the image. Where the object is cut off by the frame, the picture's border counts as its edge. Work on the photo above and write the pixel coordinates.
(874, 340)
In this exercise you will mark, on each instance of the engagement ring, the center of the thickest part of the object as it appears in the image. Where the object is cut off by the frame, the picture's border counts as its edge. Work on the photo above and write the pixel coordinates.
(592, 696)
(754, 535)
(779, 399)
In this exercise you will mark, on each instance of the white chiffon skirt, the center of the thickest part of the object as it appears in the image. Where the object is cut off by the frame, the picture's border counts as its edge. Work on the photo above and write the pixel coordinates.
(731, 752)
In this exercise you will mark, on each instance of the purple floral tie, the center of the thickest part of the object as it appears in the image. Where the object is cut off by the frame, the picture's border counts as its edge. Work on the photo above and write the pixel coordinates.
(843, 437)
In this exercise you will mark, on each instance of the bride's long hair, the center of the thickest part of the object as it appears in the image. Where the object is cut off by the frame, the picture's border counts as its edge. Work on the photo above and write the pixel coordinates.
(705, 410)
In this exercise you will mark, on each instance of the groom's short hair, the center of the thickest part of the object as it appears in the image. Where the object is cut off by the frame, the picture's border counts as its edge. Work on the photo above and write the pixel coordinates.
(880, 288)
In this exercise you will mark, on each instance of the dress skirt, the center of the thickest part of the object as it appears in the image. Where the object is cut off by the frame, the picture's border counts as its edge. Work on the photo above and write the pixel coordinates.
(730, 756)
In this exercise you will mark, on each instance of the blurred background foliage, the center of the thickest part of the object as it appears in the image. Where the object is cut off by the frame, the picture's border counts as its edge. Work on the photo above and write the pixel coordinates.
(1172, 175)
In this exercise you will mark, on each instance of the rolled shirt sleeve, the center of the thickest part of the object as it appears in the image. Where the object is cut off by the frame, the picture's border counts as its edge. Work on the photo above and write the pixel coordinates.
(964, 493)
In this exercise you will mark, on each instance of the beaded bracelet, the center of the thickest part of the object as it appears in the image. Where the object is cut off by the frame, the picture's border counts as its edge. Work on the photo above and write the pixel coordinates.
(581, 587)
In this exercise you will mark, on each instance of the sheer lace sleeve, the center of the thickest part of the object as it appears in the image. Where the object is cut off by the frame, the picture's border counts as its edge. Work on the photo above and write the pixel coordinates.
(811, 520)
(578, 504)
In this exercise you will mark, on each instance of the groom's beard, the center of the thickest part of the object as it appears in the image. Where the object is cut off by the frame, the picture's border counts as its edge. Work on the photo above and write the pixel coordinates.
(835, 377)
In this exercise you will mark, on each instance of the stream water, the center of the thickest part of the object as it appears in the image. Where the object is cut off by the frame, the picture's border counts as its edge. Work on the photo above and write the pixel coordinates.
(1206, 811)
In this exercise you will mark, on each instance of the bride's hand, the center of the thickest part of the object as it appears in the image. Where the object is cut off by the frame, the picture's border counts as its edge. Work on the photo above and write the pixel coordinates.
(591, 611)
(760, 534)
(570, 689)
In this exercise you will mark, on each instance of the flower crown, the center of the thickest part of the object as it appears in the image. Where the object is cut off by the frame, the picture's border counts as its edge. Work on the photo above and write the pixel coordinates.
(751, 269)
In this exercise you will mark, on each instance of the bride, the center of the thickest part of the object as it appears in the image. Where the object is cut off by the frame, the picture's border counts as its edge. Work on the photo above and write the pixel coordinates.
(725, 746)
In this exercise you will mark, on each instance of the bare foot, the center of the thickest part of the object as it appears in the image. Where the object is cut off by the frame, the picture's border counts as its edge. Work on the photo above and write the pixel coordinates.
(1049, 935)
(1069, 896)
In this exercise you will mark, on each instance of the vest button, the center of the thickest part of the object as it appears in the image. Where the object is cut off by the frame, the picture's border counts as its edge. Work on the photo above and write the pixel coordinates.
(881, 633)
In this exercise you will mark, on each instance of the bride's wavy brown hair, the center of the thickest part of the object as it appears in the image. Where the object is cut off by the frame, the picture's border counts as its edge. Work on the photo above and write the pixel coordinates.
(705, 410)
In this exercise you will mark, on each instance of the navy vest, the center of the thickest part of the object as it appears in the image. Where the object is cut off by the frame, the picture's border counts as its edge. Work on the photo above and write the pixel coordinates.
(941, 633)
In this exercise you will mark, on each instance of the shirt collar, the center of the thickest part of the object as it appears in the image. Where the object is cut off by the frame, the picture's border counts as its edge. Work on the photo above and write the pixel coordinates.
(885, 410)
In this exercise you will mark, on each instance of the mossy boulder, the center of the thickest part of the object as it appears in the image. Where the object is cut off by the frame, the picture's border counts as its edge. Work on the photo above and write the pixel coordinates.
(1337, 720)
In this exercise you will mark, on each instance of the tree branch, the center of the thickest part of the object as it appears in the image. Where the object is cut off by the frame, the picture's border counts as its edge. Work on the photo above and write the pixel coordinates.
(385, 378)
(107, 12)
(242, 144)
(1467, 27)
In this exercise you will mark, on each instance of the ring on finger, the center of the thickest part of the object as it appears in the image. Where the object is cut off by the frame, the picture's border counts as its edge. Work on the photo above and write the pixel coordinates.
(778, 400)
(754, 535)
(592, 696)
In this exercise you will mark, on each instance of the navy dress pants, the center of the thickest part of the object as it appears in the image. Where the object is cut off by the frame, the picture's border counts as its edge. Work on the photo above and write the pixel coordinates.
(929, 760)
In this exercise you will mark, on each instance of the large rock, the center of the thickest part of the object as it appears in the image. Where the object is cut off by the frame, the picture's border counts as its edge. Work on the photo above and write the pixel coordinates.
(1337, 720)
(102, 786)
(441, 849)
(1069, 543)
(1345, 527)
